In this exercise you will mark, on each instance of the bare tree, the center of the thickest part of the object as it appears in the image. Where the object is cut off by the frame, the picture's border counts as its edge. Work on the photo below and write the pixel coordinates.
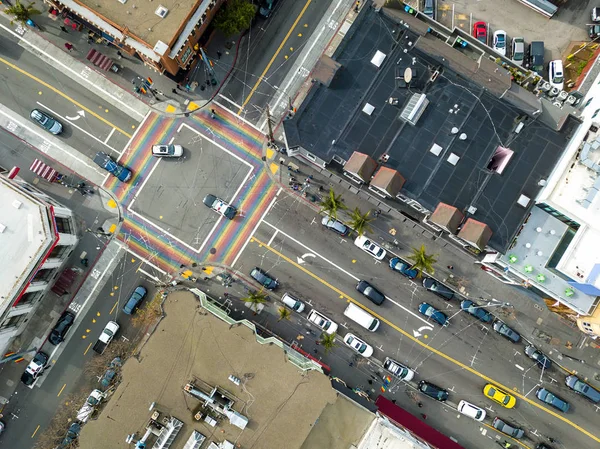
(149, 313)
(66, 413)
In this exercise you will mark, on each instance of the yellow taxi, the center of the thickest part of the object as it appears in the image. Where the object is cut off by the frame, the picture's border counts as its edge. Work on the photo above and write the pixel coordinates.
(499, 396)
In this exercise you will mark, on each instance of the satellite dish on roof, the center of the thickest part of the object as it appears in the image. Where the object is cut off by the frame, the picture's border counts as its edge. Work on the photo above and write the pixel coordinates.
(454, 130)
(463, 136)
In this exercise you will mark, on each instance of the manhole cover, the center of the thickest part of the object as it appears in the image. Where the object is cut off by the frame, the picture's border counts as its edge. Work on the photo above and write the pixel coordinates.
(213, 251)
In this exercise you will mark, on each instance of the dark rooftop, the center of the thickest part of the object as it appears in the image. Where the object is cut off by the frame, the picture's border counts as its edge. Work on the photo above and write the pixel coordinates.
(331, 122)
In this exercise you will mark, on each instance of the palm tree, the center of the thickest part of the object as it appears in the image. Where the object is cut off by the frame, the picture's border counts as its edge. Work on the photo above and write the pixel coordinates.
(360, 222)
(331, 204)
(255, 298)
(284, 314)
(422, 261)
(328, 341)
(21, 13)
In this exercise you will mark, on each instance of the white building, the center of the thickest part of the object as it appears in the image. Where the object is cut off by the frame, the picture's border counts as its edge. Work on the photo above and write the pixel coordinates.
(37, 235)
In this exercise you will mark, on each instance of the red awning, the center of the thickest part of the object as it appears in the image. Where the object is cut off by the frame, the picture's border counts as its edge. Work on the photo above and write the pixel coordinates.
(42, 170)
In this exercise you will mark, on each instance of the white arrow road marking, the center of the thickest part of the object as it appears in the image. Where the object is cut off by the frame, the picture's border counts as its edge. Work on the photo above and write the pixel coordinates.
(417, 333)
(304, 256)
(77, 117)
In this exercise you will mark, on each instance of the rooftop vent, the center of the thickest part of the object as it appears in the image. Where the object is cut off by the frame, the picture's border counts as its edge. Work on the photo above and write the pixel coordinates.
(415, 108)
(436, 149)
(123, 1)
(368, 109)
(453, 158)
(378, 59)
(17, 204)
(2, 228)
(161, 11)
(472, 210)
(523, 201)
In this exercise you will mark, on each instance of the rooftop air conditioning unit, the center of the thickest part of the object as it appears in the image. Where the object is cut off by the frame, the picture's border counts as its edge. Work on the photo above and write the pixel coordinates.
(562, 95)
(553, 92)
(161, 11)
(571, 100)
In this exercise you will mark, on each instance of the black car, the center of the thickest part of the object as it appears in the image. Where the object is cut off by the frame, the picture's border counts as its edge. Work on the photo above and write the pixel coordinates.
(433, 391)
(506, 332)
(71, 436)
(535, 354)
(264, 279)
(594, 31)
(477, 311)
(438, 288)
(370, 292)
(536, 56)
(62, 327)
(35, 368)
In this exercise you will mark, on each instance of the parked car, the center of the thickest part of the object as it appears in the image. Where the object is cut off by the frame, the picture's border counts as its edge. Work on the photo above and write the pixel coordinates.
(501, 397)
(438, 288)
(556, 76)
(552, 400)
(508, 429)
(292, 302)
(322, 321)
(518, 50)
(35, 368)
(358, 345)
(71, 436)
(61, 327)
(477, 311)
(543, 446)
(470, 410)
(402, 267)
(480, 32)
(508, 333)
(335, 226)
(370, 292)
(596, 14)
(499, 44)
(398, 369)
(433, 391)
(429, 7)
(593, 31)
(46, 121)
(167, 150)
(220, 206)
(368, 246)
(536, 57)
(266, 8)
(134, 300)
(585, 390)
(535, 354)
(107, 163)
(431, 312)
(264, 279)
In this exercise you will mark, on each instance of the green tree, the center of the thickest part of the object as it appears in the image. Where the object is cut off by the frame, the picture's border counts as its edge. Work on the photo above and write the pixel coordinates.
(360, 222)
(331, 204)
(234, 17)
(422, 261)
(328, 341)
(21, 13)
(284, 314)
(255, 298)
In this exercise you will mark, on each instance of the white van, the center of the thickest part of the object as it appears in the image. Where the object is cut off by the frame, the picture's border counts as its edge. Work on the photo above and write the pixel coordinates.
(362, 317)
(292, 302)
(556, 74)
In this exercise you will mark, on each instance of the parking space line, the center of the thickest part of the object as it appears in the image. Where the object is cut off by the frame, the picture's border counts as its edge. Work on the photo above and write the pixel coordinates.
(61, 390)
(273, 236)
(110, 135)
(35, 431)
(87, 349)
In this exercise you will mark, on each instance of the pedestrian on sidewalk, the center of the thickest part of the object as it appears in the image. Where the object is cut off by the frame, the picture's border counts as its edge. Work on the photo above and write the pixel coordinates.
(69, 46)
(175, 91)
(213, 113)
(219, 54)
(356, 7)
(423, 415)
(450, 267)
(62, 27)
(420, 404)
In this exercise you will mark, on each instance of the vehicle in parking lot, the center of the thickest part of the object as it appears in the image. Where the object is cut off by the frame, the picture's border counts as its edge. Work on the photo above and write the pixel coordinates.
(596, 14)
(61, 327)
(322, 321)
(264, 279)
(585, 390)
(358, 345)
(429, 7)
(370, 292)
(402, 267)
(368, 246)
(134, 300)
(511, 335)
(167, 150)
(499, 43)
(499, 396)
(536, 57)
(335, 226)
(556, 76)
(266, 8)
(535, 354)
(46, 121)
(220, 206)
(480, 32)
(593, 31)
(518, 50)
(433, 391)
(107, 163)
(470, 410)
(292, 302)
(438, 288)
(508, 429)
(477, 311)
(398, 369)
(35, 368)
(431, 312)
(553, 400)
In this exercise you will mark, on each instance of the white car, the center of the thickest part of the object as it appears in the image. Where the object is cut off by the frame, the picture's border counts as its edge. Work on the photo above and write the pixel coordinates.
(368, 246)
(499, 43)
(322, 321)
(167, 150)
(556, 75)
(398, 369)
(358, 345)
(470, 410)
(518, 50)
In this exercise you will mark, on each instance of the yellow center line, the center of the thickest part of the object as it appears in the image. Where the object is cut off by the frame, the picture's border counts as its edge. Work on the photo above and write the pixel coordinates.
(35, 431)
(113, 307)
(56, 91)
(61, 390)
(287, 36)
(426, 346)
(87, 349)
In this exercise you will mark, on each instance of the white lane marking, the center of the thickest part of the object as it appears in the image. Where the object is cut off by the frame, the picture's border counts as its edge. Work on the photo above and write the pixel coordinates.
(520, 367)
(238, 116)
(344, 271)
(154, 278)
(230, 101)
(273, 237)
(78, 127)
(110, 135)
(139, 127)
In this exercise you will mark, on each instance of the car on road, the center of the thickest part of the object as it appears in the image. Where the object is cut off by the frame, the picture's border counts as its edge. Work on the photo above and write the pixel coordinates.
(72, 434)
(518, 50)
(61, 327)
(134, 300)
(335, 226)
(501, 397)
(508, 429)
(535, 354)
(477, 311)
(402, 267)
(470, 410)
(552, 400)
(368, 246)
(46, 121)
(358, 345)
(543, 446)
(322, 321)
(480, 32)
(370, 292)
(266, 8)
(431, 312)
(433, 391)
(438, 288)
(508, 333)
(167, 150)
(107, 163)
(585, 390)
(263, 278)
(499, 43)
(556, 75)
(220, 206)
(35, 368)
(398, 369)
(536, 57)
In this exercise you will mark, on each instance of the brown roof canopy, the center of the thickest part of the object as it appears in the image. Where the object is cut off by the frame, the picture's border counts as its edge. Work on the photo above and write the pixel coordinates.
(388, 180)
(325, 70)
(448, 217)
(476, 233)
(361, 165)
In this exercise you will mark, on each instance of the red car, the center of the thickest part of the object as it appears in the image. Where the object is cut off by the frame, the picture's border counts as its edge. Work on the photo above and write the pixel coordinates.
(480, 31)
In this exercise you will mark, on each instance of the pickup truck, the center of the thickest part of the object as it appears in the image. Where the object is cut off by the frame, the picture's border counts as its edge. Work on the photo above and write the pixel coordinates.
(106, 336)
(107, 163)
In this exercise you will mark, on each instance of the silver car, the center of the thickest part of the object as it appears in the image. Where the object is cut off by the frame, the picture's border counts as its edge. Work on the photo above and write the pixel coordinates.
(518, 50)
(506, 428)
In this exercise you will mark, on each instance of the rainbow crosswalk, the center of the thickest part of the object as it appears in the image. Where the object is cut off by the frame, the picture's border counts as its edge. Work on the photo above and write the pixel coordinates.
(225, 242)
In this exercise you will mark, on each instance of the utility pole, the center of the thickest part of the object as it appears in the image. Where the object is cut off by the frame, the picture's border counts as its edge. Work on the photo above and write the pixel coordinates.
(270, 123)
